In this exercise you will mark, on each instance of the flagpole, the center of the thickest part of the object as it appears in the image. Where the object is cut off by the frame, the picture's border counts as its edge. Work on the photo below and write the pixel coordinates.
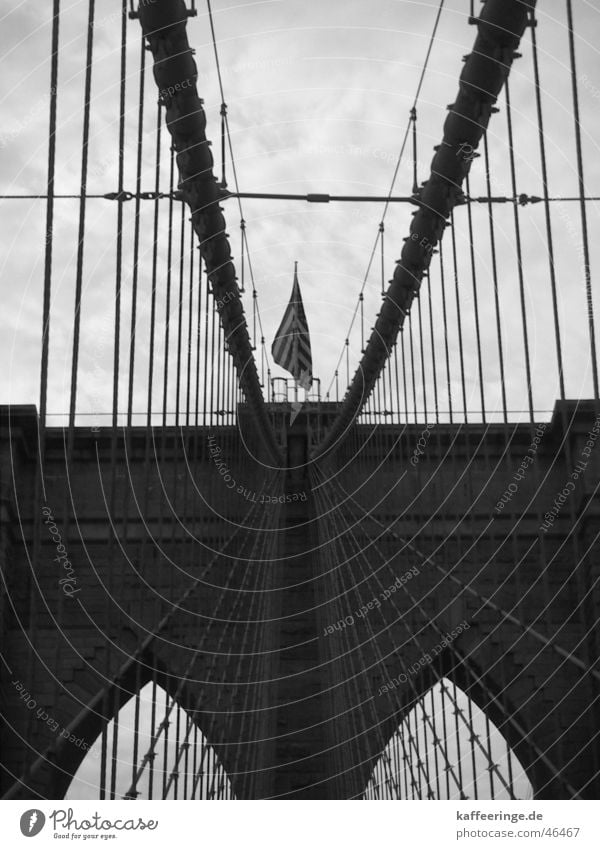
(291, 346)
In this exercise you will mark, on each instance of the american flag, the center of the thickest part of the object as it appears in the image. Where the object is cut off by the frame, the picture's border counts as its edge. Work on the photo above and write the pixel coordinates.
(291, 346)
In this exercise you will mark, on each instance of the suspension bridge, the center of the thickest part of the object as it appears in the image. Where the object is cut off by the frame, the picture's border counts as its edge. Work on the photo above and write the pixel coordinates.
(391, 594)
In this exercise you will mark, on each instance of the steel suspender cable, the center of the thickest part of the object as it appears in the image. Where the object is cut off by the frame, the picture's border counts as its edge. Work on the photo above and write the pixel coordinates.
(410, 124)
(164, 25)
(136, 234)
(582, 208)
(68, 494)
(239, 195)
(40, 487)
(500, 27)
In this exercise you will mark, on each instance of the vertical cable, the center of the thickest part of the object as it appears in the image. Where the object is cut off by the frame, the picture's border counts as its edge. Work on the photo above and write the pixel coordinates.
(219, 378)
(582, 206)
(412, 368)
(445, 732)
(66, 507)
(223, 134)
(547, 216)
(475, 302)
(198, 345)
(243, 254)
(446, 347)
(176, 771)
(115, 744)
(166, 723)
(49, 230)
(413, 120)
(584, 580)
(458, 318)
(119, 257)
(472, 736)
(152, 733)
(347, 362)
(180, 315)
(461, 784)
(492, 231)
(82, 209)
(190, 340)
(168, 292)
(205, 376)
(136, 232)
(422, 358)
(433, 357)
(154, 269)
(254, 296)
(404, 380)
(136, 731)
(212, 362)
(40, 489)
(382, 254)
(519, 251)
(489, 755)
(115, 396)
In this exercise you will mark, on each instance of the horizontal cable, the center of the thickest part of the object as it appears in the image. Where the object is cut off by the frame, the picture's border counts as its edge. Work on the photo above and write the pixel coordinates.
(313, 197)
(522, 199)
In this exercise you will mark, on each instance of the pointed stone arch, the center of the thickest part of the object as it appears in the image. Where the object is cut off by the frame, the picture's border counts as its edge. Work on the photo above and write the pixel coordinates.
(493, 699)
(58, 766)
(190, 766)
(432, 752)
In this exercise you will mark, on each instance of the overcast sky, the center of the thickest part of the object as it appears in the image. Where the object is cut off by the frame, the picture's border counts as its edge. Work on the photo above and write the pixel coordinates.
(318, 96)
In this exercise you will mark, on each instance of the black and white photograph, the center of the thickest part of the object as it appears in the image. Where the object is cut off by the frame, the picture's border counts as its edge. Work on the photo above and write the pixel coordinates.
(300, 422)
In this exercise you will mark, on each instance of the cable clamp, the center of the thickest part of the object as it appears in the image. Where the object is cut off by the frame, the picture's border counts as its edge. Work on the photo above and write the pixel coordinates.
(119, 196)
(523, 199)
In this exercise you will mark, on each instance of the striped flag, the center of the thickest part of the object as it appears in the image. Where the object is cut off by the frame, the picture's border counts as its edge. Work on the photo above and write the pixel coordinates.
(291, 347)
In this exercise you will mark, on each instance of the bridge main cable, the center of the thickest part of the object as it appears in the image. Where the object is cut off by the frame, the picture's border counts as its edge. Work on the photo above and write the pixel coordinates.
(500, 25)
(164, 25)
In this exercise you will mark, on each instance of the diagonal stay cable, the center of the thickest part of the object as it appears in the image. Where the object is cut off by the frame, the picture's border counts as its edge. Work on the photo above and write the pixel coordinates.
(139, 656)
(164, 26)
(501, 25)
(393, 182)
(234, 171)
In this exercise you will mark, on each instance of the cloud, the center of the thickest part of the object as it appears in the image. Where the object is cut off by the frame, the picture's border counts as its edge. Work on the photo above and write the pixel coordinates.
(318, 100)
